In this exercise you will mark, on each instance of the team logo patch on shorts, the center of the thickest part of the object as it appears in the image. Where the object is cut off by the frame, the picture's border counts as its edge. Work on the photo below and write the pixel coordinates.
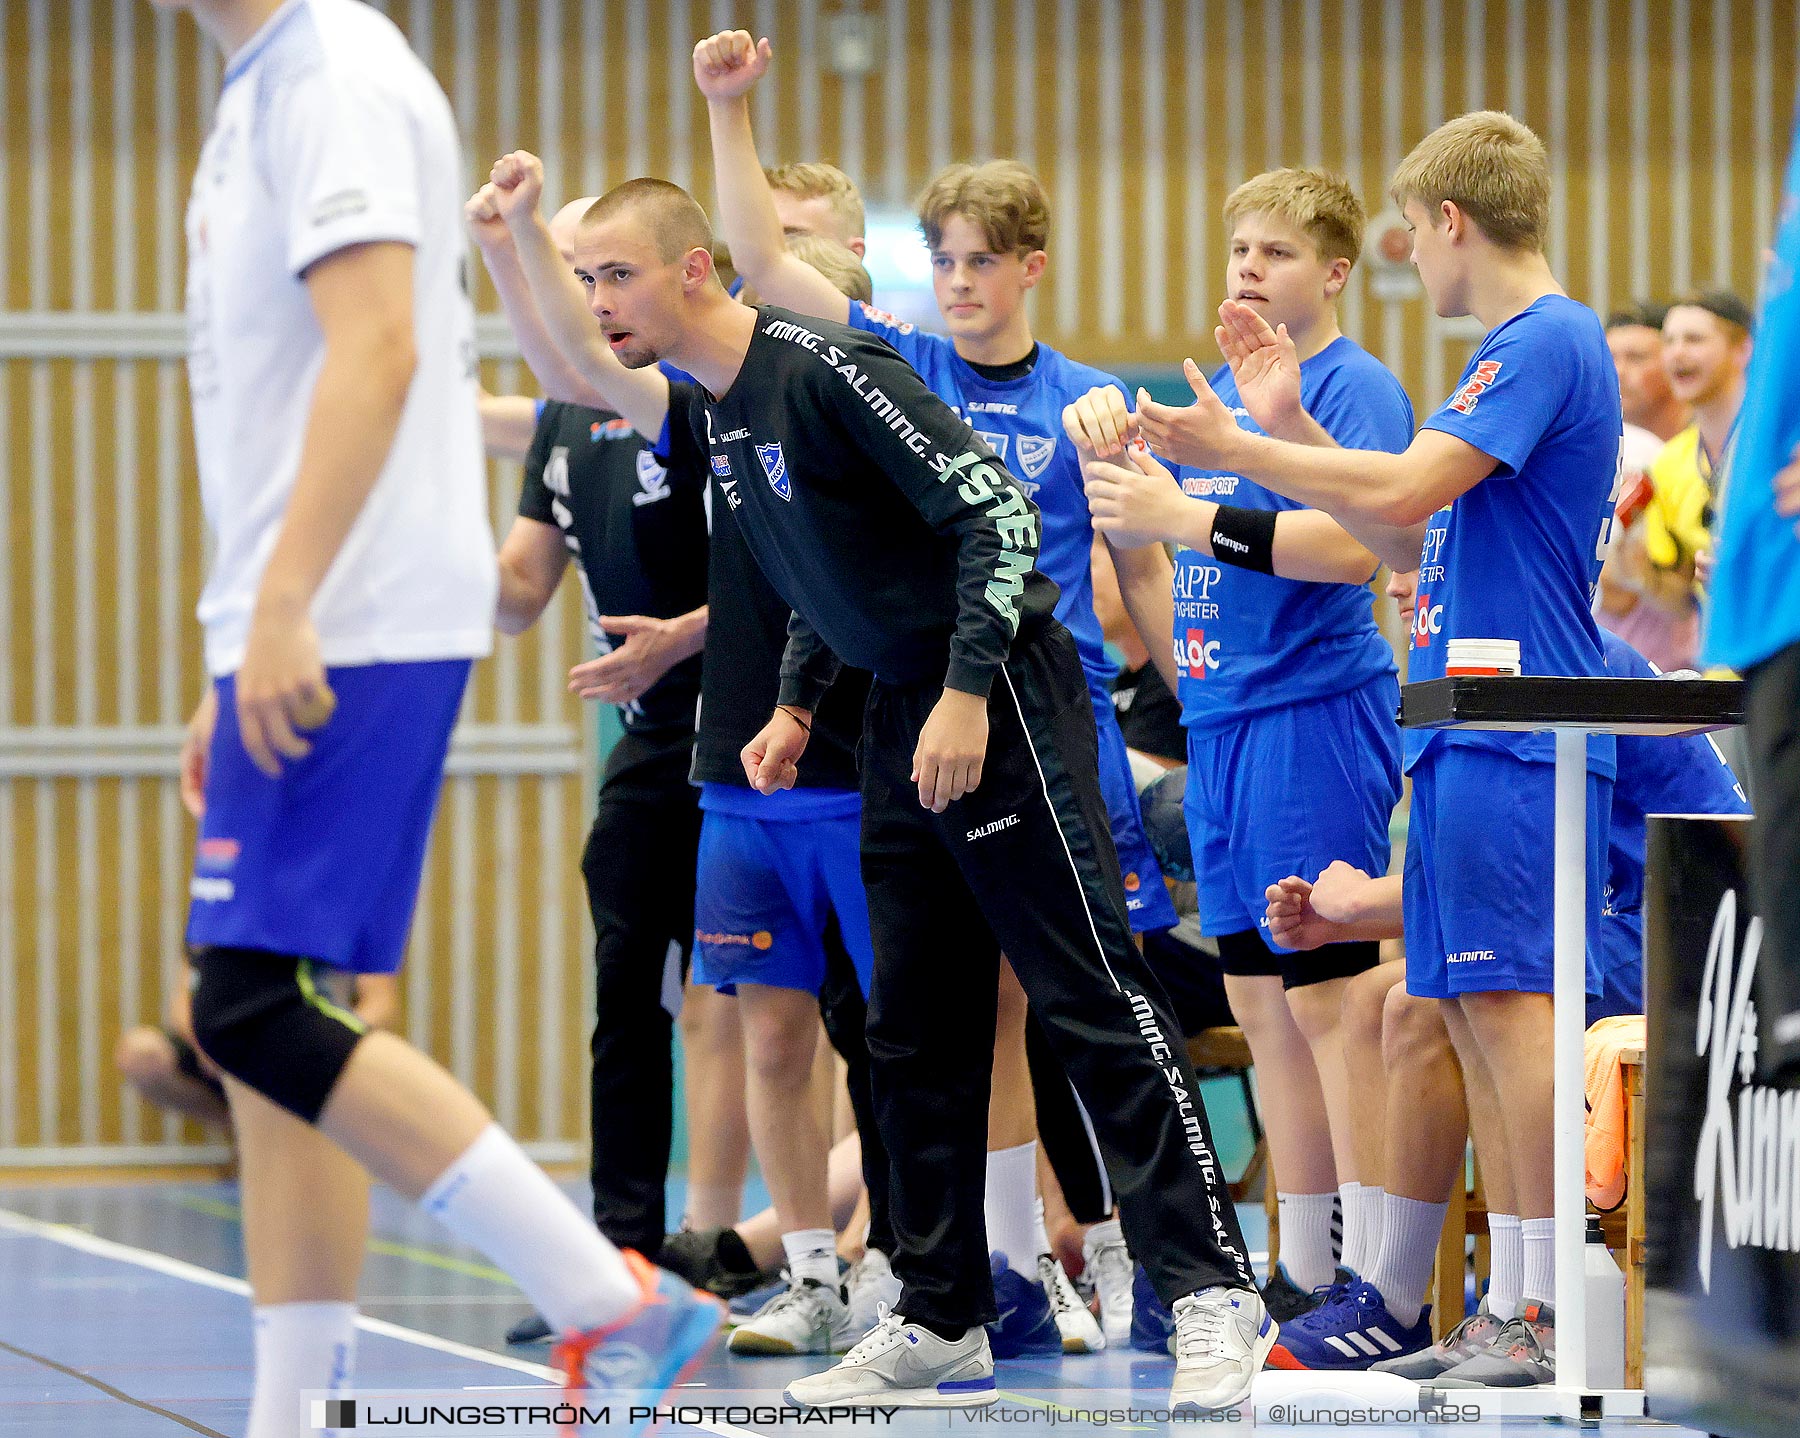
(219, 854)
(762, 940)
(774, 464)
(1132, 882)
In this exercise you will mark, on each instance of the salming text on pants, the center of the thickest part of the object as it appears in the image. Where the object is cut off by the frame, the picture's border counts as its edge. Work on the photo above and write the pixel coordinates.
(639, 868)
(1024, 865)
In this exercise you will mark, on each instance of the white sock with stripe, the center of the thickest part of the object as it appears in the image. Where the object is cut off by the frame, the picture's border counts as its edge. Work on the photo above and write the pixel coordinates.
(1506, 1276)
(1011, 1207)
(1410, 1230)
(1306, 1237)
(300, 1348)
(497, 1200)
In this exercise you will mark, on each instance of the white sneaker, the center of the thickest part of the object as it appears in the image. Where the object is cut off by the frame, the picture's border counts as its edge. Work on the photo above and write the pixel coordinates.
(870, 1285)
(1109, 1261)
(1222, 1336)
(1080, 1333)
(805, 1317)
(902, 1365)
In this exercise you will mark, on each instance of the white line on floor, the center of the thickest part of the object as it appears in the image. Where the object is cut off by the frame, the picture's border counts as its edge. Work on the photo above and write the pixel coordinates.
(192, 1273)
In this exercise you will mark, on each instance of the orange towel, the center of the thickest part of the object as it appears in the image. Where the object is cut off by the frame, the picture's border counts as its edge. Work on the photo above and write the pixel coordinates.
(1606, 1141)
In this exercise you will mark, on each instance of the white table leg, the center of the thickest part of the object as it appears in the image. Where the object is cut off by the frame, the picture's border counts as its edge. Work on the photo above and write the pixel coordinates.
(1571, 1028)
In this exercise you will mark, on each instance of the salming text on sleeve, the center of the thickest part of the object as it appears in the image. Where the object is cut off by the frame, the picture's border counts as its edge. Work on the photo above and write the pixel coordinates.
(884, 521)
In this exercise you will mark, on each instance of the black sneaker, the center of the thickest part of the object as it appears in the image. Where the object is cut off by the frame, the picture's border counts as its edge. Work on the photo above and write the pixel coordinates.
(1287, 1300)
(714, 1259)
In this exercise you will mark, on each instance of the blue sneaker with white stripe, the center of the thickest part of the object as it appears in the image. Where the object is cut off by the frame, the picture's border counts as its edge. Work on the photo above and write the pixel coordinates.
(1351, 1331)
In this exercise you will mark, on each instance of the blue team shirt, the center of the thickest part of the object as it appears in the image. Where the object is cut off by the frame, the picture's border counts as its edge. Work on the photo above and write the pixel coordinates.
(1022, 420)
(1246, 642)
(1685, 775)
(1518, 556)
(1755, 608)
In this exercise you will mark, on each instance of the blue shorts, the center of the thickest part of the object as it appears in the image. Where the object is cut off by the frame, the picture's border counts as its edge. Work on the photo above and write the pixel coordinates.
(1288, 791)
(323, 862)
(774, 870)
(1146, 896)
(1621, 967)
(1480, 874)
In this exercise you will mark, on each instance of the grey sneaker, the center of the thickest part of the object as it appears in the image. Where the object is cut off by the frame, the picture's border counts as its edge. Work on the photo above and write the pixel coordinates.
(1109, 1261)
(1222, 1338)
(1522, 1355)
(805, 1317)
(1080, 1332)
(901, 1365)
(1475, 1334)
(870, 1285)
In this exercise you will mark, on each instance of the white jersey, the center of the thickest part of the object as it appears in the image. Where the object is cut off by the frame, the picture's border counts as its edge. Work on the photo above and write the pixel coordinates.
(331, 132)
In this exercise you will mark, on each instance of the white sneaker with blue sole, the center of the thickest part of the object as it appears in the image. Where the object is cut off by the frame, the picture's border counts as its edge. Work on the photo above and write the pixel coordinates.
(901, 1365)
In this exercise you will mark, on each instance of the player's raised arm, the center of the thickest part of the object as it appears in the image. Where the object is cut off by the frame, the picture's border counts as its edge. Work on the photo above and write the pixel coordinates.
(726, 65)
(515, 192)
(556, 376)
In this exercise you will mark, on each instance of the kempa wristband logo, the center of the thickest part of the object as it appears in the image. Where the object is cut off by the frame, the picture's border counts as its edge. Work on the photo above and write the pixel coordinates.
(334, 1413)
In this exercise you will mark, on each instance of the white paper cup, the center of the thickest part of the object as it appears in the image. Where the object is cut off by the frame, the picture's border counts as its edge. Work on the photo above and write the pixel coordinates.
(1482, 656)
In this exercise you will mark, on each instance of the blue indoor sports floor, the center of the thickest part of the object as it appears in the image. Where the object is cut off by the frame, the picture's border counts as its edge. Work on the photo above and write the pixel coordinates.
(124, 1314)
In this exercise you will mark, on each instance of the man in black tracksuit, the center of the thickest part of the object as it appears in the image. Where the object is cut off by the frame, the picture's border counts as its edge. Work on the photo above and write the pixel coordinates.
(906, 548)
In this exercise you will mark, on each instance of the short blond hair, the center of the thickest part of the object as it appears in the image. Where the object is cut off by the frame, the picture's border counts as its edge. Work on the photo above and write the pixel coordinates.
(1492, 168)
(1319, 204)
(1002, 198)
(815, 180)
(829, 258)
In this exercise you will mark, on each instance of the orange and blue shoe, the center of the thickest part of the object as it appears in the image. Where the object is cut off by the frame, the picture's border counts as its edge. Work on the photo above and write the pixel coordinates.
(648, 1351)
(1351, 1330)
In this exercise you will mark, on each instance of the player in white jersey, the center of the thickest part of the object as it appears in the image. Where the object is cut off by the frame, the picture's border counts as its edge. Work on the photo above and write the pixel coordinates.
(332, 370)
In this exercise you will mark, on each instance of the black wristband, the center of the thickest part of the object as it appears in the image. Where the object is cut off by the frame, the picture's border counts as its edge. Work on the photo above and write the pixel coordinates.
(788, 709)
(1244, 537)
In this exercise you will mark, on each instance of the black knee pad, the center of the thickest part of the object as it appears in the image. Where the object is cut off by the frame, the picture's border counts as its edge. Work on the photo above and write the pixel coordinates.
(1328, 962)
(276, 1023)
(1246, 954)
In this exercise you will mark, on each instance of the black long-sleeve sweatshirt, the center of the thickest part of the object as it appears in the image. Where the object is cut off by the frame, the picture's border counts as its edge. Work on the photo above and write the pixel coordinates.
(899, 539)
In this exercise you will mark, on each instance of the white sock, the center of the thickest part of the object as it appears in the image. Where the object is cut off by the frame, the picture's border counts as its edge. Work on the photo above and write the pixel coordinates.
(1362, 1225)
(300, 1348)
(812, 1253)
(1410, 1229)
(1040, 1232)
(1306, 1238)
(1012, 1206)
(1539, 1236)
(1506, 1277)
(497, 1200)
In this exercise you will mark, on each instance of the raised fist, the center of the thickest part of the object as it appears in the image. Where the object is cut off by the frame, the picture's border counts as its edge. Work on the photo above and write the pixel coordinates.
(517, 181)
(729, 63)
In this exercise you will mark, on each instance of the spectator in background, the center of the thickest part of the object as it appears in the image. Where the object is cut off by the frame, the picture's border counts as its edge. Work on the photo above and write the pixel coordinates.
(1706, 349)
(1653, 416)
(1635, 337)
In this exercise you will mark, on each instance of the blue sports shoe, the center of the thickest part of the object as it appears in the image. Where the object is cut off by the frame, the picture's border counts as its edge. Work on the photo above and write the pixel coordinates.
(1351, 1331)
(1152, 1320)
(1026, 1328)
(650, 1349)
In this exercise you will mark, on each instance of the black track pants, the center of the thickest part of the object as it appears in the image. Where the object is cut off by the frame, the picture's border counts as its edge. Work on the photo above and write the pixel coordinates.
(639, 867)
(1024, 865)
